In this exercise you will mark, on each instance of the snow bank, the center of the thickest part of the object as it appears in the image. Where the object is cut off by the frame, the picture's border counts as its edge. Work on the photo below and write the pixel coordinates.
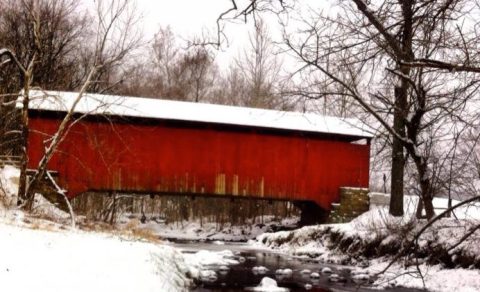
(39, 260)
(372, 238)
(42, 207)
(9, 177)
(9, 180)
(436, 278)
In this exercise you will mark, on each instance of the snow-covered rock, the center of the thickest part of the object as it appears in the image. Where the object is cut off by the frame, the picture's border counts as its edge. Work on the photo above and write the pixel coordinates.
(326, 270)
(203, 259)
(360, 278)
(336, 278)
(208, 276)
(259, 270)
(268, 285)
(224, 268)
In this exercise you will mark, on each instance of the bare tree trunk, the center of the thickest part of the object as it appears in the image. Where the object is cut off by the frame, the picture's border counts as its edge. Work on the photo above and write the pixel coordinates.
(114, 207)
(398, 162)
(427, 196)
(418, 213)
(25, 131)
(400, 111)
(398, 157)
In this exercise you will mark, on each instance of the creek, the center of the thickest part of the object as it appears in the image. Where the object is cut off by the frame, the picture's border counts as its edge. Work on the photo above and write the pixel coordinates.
(243, 276)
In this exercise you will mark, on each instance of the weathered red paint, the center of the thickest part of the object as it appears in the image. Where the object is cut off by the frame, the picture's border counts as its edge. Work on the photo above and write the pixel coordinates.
(162, 157)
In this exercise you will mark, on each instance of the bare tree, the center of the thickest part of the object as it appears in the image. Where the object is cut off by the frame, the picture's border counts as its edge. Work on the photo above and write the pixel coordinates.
(61, 35)
(259, 70)
(199, 73)
(115, 38)
(56, 47)
(411, 65)
(183, 74)
(166, 54)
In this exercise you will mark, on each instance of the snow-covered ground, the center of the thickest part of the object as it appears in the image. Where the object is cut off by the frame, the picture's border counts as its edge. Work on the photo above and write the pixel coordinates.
(381, 231)
(436, 278)
(34, 258)
(193, 230)
(38, 254)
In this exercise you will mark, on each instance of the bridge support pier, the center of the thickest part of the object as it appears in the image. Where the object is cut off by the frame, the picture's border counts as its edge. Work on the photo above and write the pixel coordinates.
(311, 213)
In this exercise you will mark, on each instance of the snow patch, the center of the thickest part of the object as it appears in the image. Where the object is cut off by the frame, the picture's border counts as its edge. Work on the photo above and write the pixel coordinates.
(42, 207)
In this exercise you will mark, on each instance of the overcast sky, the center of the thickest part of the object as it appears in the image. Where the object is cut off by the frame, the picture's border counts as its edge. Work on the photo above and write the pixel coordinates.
(190, 18)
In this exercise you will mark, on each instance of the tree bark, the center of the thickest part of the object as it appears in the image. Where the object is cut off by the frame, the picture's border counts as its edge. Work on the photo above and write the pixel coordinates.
(400, 110)
(22, 188)
(398, 157)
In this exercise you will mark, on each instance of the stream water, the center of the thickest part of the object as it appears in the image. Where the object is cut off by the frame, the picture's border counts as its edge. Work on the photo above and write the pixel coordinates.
(241, 277)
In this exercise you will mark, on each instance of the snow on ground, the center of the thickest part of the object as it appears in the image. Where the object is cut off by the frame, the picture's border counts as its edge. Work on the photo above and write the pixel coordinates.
(43, 255)
(71, 260)
(376, 227)
(436, 278)
(193, 230)
(56, 258)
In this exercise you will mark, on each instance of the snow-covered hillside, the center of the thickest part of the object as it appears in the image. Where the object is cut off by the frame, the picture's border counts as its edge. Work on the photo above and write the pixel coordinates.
(371, 241)
(62, 260)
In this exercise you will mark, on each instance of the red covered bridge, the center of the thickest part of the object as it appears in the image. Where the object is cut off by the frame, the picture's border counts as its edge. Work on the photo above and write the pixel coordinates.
(152, 146)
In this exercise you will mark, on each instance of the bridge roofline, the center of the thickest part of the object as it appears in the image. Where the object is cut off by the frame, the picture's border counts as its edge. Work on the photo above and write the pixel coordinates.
(140, 108)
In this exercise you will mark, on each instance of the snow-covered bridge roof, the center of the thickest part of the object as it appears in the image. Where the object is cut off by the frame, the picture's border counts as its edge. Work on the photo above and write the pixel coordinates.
(96, 104)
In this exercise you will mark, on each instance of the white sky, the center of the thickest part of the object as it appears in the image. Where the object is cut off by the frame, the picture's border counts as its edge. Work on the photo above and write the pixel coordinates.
(185, 16)
(189, 18)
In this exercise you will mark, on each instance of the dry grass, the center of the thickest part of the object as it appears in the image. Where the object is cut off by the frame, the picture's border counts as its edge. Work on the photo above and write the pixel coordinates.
(130, 231)
(32, 222)
(145, 234)
(133, 229)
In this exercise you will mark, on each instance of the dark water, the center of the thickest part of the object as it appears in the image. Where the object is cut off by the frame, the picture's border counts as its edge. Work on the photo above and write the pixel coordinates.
(241, 276)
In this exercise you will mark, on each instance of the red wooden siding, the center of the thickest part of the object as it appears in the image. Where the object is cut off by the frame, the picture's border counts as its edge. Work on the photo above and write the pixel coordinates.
(165, 158)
